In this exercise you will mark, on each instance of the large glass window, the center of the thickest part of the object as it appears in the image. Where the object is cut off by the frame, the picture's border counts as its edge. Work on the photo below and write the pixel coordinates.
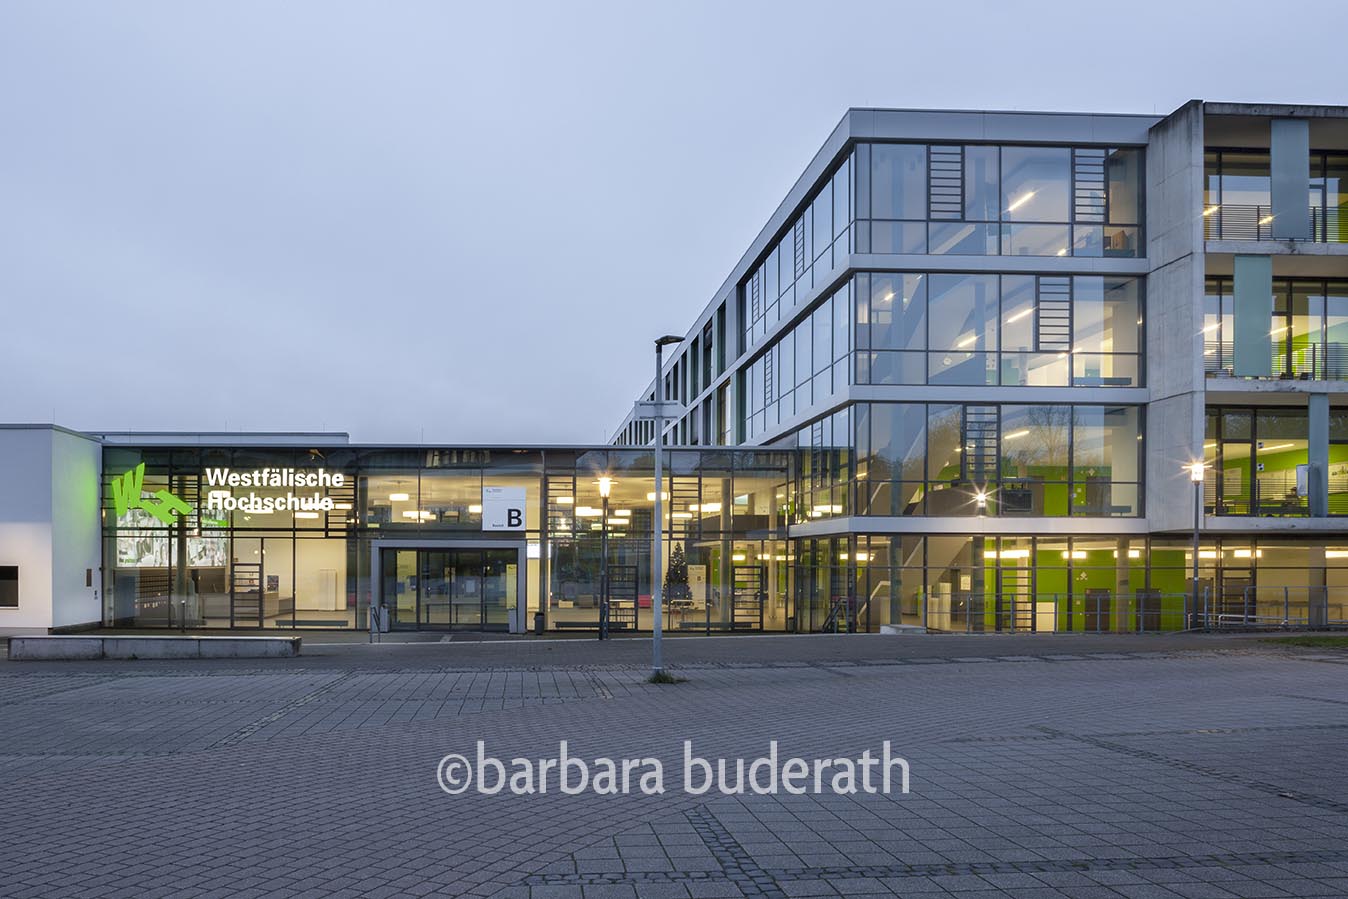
(1031, 460)
(898, 182)
(962, 328)
(817, 240)
(1309, 328)
(978, 199)
(1036, 184)
(803, 367)
(1034, 467)
(1024, 330)
(1237, 195)
(1258, 458)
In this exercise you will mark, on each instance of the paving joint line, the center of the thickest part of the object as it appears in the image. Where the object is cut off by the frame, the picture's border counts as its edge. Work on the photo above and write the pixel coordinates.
(956, 869)
(1196, 731)
(1204, 770)
(736, 864)
(253, 727)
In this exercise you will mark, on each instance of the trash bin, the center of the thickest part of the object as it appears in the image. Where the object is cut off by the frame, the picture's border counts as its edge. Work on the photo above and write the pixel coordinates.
(538, 624)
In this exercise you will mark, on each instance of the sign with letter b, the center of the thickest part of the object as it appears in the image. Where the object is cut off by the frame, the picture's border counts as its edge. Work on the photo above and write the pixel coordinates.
(503, 508)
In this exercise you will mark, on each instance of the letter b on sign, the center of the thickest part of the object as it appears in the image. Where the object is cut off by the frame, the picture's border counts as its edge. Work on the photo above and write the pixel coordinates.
(503, 508)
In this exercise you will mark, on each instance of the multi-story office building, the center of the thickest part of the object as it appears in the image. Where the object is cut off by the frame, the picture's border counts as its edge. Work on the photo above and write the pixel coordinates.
(999, 341)
(959, 380)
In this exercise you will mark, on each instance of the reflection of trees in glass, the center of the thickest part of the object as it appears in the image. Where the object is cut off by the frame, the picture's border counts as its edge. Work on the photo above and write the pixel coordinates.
(943, 442)
(1035, 442)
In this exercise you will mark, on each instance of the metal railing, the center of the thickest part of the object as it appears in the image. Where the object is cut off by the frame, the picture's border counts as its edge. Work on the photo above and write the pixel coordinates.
(1092, 612)
(1328, 224)
(1309, 362)
(1101, 611)
(1264, 500)
(1276, 607)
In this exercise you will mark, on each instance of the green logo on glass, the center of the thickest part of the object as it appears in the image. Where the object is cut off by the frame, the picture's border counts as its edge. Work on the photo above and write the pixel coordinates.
(126, 495)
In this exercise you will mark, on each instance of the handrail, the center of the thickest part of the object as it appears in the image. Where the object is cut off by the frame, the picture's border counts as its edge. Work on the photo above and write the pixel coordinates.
(1237, 221)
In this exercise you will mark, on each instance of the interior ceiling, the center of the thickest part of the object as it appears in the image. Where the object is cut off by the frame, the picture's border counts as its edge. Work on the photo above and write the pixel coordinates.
(1327, 132)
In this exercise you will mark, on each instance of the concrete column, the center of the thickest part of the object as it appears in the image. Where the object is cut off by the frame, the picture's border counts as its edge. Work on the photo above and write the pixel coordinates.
(1290, 167)
(1317, 454)
(1253, 311)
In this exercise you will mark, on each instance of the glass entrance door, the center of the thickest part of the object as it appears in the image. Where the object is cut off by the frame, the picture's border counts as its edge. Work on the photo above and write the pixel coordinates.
(451, 588)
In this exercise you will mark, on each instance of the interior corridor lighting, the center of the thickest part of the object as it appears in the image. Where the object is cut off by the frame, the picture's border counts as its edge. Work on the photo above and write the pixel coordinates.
(1210, 210)
(1020, 201)
(1019, 315)
(399, 497)
(1023, 432)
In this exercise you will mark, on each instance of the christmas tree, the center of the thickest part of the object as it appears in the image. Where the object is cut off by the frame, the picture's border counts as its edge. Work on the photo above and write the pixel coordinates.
(676, 576)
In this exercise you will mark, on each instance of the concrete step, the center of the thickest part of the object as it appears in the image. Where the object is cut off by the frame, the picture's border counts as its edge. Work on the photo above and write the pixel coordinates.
(56, 647)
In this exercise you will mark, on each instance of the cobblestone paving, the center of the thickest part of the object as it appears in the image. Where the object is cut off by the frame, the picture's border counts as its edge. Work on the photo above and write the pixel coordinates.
(1122, 773)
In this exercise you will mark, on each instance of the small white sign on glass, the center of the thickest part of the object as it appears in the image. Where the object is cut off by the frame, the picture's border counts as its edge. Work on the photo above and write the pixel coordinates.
(503, 508)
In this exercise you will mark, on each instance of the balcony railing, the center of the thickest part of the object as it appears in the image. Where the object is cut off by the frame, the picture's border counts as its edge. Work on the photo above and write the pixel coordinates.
(1312, 362)
(1328, 224)
(1260, 501)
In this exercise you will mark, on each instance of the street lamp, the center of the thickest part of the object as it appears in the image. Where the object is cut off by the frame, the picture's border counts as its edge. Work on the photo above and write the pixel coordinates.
(605, 487)
(1196, 471)
(657, 566)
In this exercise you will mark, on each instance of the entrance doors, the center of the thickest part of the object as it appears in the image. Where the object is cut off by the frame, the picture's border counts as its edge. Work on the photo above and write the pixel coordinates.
(450, 588)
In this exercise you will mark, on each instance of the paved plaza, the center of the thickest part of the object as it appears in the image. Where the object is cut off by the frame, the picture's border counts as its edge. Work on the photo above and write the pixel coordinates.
(1040, 767)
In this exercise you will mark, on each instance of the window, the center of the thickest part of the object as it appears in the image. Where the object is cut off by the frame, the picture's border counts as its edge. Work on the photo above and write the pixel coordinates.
(1255, 454)
(962, 328)
(1237, 196)
(970, 199)
(899, 182)
(1036, 182)
(812, 245)
(1309, 328)
(1055, 330)
(1036, 460)
(9, 586)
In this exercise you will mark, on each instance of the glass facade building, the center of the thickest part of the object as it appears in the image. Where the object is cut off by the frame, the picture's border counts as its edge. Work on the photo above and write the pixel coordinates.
(412, 529)
(998, 340)
(959, 380)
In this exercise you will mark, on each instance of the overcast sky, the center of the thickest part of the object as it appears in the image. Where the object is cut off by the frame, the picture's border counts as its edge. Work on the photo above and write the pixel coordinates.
(466, 222)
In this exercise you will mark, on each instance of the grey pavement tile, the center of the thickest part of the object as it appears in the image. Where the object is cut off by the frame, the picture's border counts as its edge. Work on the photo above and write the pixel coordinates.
(1205, 783)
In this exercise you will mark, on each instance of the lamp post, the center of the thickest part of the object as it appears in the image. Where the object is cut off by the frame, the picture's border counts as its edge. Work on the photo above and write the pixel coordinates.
(657, 566)
(1196, 472)
(605, 487)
